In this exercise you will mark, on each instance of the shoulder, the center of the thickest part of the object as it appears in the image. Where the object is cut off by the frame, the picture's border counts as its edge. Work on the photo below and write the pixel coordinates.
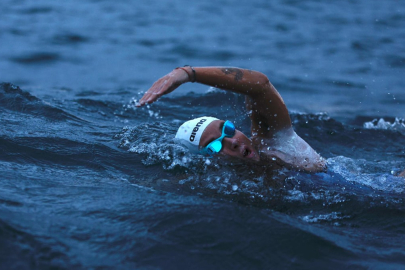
(287, 148)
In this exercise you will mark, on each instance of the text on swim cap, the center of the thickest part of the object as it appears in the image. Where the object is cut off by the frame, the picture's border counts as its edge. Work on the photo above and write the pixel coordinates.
(192, 136)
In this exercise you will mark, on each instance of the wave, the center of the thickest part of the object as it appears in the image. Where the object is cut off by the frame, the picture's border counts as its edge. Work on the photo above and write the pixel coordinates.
(26, 251)
(146, 155)
(14, 99)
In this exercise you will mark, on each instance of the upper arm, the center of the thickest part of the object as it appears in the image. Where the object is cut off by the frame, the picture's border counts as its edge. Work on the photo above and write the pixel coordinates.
(267, 111)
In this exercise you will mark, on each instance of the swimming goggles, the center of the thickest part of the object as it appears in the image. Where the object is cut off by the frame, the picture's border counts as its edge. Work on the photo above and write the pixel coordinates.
(216, 145)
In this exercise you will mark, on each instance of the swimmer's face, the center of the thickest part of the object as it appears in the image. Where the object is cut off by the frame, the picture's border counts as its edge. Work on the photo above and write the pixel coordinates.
(239, 146)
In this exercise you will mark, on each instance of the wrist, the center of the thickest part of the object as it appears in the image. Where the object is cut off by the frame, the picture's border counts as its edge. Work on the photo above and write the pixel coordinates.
(192, 73)
(189, 70)
(181, 75)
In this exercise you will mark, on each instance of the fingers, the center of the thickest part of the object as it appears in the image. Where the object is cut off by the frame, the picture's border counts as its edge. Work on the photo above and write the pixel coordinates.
(163, 86)
(158, 89)
(148, 97)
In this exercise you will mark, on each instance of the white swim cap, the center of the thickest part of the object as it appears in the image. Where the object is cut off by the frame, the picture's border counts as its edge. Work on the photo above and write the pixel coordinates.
(189, 133)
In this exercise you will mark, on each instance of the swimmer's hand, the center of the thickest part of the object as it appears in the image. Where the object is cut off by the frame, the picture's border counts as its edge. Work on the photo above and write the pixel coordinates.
(165, 85)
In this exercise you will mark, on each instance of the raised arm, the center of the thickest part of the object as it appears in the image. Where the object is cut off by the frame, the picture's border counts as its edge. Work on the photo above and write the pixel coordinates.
(267, 109)
(265, 105)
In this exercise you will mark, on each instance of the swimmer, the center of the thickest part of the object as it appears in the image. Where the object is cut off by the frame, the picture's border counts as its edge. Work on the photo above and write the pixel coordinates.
(273, 141)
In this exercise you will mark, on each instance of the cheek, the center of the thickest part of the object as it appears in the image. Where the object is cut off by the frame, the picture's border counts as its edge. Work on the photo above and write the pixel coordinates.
(230, 156)
(226, 152)
(243, 139)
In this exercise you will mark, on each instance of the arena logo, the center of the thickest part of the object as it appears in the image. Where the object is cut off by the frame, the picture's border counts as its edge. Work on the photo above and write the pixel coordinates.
(196, 128)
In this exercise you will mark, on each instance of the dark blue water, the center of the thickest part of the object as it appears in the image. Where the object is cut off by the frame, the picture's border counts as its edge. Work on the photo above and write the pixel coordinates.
(88, 181)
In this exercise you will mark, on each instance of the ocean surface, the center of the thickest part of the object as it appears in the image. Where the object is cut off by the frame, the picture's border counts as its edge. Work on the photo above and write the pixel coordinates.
(89, 181)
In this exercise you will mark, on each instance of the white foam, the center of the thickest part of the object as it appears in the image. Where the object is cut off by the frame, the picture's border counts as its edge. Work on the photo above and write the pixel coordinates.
(399, 124)
(363, 172)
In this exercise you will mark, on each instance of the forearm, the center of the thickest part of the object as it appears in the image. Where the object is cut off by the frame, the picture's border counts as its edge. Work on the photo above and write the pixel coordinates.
(243, 81)
(237, 80)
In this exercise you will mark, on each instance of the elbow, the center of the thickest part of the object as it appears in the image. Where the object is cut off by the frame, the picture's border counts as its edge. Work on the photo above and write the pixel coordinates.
(262, 80)
(263, 87)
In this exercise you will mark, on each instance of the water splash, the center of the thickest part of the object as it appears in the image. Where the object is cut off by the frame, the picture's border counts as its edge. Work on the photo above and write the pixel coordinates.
(379, 176)
(331, 217)
(398, 124)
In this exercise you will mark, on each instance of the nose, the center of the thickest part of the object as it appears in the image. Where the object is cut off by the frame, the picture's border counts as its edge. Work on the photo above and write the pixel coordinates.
(231, 143)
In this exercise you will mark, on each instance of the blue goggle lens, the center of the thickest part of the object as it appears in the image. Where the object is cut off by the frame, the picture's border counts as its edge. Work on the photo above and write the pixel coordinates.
(229, 129)
(215, 146)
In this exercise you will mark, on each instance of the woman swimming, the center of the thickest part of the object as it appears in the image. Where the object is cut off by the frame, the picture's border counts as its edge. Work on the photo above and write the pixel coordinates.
(273, 141)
